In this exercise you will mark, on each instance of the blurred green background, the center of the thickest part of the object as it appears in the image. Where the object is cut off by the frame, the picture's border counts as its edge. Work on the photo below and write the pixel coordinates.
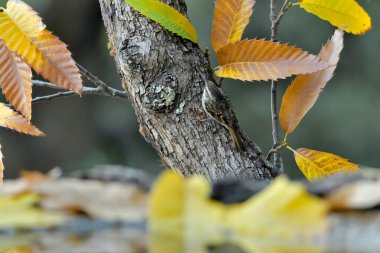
(84, 132)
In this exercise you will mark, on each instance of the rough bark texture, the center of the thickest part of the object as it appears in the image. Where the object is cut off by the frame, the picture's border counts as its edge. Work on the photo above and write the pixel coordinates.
(164, 76)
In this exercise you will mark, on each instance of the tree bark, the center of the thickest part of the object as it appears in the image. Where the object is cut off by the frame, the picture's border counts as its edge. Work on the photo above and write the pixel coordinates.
(164, 76)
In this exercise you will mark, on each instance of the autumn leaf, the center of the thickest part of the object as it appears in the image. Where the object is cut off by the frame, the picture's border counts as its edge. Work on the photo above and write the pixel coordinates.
(230, 19)
(347, 14)
(250, 60)
(304, 91)
(166, 16)
(20, 211)
(316, 164)
(25, 17)
(43, 51)
(16, 81)
(273, 215)
(10, 119)
(180, 206)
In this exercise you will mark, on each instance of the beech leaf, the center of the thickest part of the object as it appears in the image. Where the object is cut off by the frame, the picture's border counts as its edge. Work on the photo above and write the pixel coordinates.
(12, 120)
(40, 49)
(25, 17)
(16, 81)
(304, 91)
(347, 14)
(315, 164)
(166, 16)
(261, 60)
(230, 19)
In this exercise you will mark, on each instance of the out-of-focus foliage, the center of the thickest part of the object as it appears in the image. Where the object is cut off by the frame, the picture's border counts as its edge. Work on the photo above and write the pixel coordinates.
(19, 211)
(190, 211)
(68, 198)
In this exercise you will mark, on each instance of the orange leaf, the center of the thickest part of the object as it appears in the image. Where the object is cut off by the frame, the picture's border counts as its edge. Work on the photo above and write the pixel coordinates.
(10, 119)
(304, 91)
(16, 81)
(43, 51)
(57, 65)
(230, 19)
(316, 164)
(250, 60)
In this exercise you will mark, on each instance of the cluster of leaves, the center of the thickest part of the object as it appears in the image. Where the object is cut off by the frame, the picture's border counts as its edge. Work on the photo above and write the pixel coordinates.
(26, 44)
(256, 60)
(262, 60)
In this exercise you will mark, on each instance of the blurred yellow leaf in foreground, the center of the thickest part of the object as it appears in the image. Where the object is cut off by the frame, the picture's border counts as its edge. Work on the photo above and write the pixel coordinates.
(182, 210)
(20, 212)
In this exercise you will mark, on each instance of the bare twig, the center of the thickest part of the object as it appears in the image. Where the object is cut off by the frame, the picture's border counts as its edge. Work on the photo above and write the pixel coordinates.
(285, 7)
(276, 150)
(275, 18)
(101, 89)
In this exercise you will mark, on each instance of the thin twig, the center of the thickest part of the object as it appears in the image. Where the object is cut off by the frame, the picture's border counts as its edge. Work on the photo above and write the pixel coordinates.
(275, 18)
(276, 150)
(285, 7)
(100, 84)
(108, 91)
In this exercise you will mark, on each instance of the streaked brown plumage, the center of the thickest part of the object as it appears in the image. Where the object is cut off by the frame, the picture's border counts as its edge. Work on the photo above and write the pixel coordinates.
(217, 106)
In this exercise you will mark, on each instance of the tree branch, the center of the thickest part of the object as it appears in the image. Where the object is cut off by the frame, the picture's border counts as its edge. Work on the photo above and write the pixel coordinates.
(275, 18)
(165, 78)
(101, 88)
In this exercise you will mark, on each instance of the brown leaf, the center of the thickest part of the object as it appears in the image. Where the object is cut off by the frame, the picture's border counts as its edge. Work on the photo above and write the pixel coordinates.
(250, 60)
(230, 19)
(304, 91)
(57, 64)
(10, 119)
(108, 201)
(16, 81)
(23, 32)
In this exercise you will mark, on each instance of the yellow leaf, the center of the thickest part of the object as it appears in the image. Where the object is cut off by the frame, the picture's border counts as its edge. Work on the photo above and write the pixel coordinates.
(346, 14)
(23, 15)
(304, 91)
(10, 119)
(20, 212)
(182, 210)
(43, 51)
(57, 65)
(166, 16)
(250, 60)
(230, 19)
(16, 81)
(173, 202)
(166, 202)
(315, 164)
(283, 210)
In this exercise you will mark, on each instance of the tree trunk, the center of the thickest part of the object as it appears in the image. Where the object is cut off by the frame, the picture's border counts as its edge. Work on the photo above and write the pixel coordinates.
(164, 76)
